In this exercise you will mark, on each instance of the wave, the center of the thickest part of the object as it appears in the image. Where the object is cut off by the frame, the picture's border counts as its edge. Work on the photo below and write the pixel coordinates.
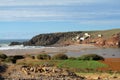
(7, 47)
(4, 44)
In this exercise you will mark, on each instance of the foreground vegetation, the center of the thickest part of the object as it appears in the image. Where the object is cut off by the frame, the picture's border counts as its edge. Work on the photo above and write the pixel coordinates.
(74, 65)
(85, 67)
(83, 63)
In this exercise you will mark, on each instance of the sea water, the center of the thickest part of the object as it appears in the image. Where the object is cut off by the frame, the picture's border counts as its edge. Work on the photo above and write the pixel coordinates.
(4, 44)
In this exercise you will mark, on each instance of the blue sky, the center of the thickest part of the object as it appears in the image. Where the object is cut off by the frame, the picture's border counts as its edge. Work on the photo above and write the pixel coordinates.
(26, 18)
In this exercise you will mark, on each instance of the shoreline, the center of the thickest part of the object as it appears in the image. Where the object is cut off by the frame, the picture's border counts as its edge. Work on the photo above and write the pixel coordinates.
(71, 51)
(63, 49)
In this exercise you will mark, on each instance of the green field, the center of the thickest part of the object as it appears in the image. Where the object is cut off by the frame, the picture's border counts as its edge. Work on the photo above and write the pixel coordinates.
(74, 65)
(80, 64)
(105, 33)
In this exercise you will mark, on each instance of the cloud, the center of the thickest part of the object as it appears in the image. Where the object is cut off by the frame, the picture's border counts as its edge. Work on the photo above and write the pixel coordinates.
(46, 2)
(99, 22)
(83, 11)
(47, 15)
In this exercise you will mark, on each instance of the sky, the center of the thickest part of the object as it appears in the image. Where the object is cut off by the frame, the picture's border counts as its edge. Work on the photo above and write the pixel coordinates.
(23, 19)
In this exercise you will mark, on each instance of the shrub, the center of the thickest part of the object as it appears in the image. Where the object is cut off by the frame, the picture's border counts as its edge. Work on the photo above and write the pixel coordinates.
(91, 57)
(43, 56)
(13, 59)
(10, 59)
(3, 56)
(16, 57)
(60, 56)
(72, 58)
(29, 56)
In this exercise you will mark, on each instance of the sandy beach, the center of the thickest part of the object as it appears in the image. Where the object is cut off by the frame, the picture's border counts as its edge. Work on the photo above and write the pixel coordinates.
(71, 51)
(70, 48)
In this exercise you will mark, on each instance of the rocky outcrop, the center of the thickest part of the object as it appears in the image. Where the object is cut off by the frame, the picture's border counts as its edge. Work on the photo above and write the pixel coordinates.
(43, 40)
(51, 39)
(100, 42)
(41, 73)
(15, 43)
(38, 72)
(114, 41)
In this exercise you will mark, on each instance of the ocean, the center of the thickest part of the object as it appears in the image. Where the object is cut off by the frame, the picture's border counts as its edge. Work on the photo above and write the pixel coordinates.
(8, 41)
(4, 44)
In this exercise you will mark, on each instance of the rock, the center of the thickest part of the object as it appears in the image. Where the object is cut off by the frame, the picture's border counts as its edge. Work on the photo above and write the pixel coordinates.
(15, 43)
(31, 69)
(43, 40)
(113, 41)
(115, 77)
(48, 73)
(100, 42)
(95, 77)
(68, 73)
(56, 70)
(25, 71)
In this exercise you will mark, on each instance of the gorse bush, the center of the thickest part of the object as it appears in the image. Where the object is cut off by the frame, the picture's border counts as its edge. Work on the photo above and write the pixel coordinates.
(90, 57)
(60, 56)
(10, 59)
(43, 56)
(29, 56)
(13, 59)
(3, 56)
(18, 57)
(72, 58)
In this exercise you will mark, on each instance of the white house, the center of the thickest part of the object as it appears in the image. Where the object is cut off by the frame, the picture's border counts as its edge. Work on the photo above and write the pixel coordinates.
(82, 38)
(86, 35)
(99, 35)
(77, 37)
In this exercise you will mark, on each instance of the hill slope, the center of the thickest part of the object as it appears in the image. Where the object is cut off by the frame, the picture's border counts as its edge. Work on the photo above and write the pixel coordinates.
(66, 38)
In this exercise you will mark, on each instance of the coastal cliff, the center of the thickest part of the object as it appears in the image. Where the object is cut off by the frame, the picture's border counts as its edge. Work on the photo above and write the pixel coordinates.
(106, 38)
(52, 39)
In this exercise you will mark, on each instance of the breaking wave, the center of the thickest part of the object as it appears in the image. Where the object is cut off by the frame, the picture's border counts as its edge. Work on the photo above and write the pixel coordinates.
(7, 47)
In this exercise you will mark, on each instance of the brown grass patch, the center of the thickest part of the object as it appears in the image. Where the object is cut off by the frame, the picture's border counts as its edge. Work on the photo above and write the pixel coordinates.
(113, 64)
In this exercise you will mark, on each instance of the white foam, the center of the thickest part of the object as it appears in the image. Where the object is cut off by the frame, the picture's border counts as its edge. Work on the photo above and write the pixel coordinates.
(6, 47)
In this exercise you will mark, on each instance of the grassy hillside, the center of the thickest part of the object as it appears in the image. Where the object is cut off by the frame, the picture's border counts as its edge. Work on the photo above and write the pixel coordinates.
(105, 33)
(94, 34)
